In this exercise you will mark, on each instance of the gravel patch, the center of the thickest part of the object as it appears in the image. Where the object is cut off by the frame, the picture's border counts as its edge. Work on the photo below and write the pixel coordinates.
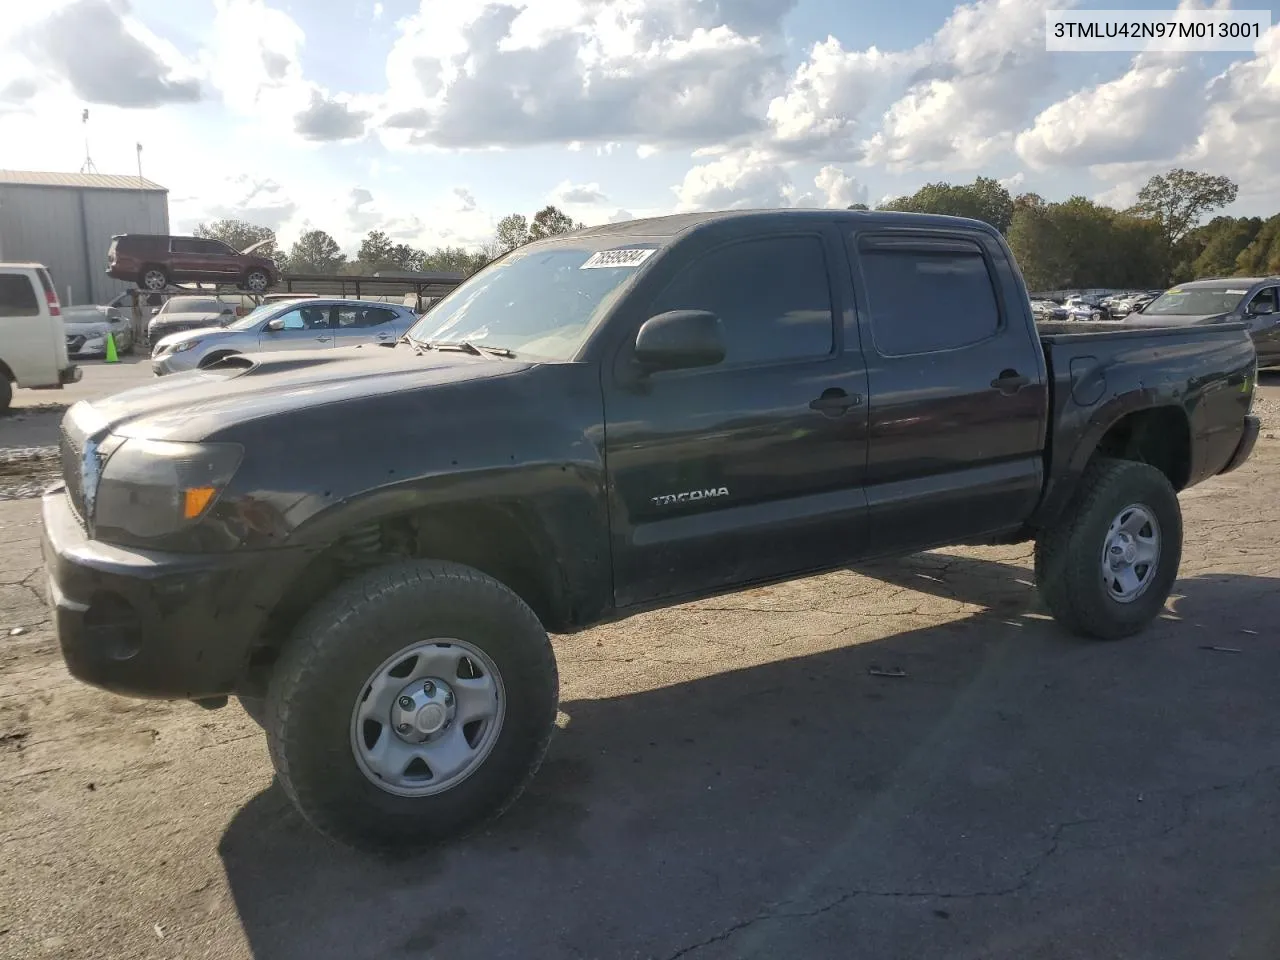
(25, 472)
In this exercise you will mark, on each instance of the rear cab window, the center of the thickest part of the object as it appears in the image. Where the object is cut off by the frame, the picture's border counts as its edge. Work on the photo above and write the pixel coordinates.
(927, 295)
(18, 296)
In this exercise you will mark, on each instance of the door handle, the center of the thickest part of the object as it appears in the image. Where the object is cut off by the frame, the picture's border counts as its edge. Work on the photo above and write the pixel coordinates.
(1010, 381)
(384, 336)
(323, 339)
(835, 401)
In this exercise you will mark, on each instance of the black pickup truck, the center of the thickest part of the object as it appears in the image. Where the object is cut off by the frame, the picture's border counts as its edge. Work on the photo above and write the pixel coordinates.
(369, 545)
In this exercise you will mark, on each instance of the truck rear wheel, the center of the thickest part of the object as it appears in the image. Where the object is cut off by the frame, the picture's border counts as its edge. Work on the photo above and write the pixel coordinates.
(411, 705)
(1106, 569)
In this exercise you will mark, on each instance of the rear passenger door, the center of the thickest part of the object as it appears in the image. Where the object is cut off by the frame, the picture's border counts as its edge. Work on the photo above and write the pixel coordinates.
(750, 469)
(364, 324)
(959, 403)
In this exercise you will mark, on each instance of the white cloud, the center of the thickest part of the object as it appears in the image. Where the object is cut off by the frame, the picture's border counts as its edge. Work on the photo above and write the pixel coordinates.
(94, 49)
(839, 190)
(670, 71)
(1240, 136)
(1121, 120)
(743, 179)
(987, 64)
(567, 194)
(377, 11)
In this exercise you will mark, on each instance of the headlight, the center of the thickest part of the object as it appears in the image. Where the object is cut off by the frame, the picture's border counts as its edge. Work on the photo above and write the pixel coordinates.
(151, 488)
(185, 345)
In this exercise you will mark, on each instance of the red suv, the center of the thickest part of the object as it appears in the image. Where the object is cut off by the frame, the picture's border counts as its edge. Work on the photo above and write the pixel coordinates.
(154, 262)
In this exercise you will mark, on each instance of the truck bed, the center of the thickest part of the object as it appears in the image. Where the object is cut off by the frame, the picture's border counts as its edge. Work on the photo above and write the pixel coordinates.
(1078, 331)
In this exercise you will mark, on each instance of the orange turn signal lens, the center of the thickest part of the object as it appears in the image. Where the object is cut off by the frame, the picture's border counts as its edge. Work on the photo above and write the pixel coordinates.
(195, 500)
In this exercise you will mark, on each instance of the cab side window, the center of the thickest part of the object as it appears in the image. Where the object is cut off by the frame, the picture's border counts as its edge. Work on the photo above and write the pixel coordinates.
(772, 295)
(924, 301)
(1264, 302)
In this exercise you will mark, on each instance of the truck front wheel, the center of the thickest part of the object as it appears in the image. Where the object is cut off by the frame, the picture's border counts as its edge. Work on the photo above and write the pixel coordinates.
(411, 705)
(1106, 569)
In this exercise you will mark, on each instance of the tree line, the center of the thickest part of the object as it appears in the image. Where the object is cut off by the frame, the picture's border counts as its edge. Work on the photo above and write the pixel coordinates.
(1158, 241)
(1072, 244)
(315, 251)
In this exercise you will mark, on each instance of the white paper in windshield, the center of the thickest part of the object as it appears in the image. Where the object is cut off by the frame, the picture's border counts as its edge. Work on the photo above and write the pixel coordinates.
(1240, 292)
(617, 258)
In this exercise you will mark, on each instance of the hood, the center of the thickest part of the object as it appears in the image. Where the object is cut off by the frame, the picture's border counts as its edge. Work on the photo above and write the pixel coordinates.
(193, 406)
(169, 339)
(255, 247)
(188, 319)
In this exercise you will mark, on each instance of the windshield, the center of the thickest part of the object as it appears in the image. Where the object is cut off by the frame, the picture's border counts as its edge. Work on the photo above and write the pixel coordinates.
(192, 305)
(253, 318)
(1195, 301)
(541, 303)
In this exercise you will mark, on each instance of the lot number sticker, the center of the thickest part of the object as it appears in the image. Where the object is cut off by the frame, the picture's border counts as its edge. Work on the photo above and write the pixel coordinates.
(616, 258)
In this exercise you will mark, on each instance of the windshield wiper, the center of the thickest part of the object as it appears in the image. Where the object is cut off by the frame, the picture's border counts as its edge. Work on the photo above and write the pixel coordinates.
(466, 346)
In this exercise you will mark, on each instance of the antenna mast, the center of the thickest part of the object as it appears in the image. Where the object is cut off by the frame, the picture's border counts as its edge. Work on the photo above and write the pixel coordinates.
(88, 165)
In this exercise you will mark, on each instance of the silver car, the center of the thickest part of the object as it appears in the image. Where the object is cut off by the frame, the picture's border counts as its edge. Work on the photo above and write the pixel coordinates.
(88, 325)
(310, 324)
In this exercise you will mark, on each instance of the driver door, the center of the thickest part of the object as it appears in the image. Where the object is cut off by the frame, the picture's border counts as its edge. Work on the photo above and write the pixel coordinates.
(1263, 317)
(307, 327)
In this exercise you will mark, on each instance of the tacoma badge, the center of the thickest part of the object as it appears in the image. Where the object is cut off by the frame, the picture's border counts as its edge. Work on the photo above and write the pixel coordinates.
(709, 493)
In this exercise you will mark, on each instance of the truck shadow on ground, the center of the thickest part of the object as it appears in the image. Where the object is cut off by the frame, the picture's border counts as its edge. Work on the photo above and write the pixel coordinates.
(949, 812)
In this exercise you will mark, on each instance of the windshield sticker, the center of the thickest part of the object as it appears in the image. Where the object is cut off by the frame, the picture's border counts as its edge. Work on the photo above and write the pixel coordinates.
(1240, 292)
(617, 258)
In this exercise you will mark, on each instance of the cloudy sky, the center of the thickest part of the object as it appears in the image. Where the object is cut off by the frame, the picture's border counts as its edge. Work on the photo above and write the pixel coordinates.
(431, 119)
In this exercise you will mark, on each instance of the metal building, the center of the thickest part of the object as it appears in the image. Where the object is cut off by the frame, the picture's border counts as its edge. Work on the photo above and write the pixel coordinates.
(66, 220)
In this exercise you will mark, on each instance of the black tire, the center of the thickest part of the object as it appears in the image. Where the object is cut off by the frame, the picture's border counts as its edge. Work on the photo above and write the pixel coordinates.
(256, 281)
(1068, 555)
(6, 393)
(321, 674)
(153, 269)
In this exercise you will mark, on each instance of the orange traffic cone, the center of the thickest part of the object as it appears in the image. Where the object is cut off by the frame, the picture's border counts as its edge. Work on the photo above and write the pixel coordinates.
(111, 349)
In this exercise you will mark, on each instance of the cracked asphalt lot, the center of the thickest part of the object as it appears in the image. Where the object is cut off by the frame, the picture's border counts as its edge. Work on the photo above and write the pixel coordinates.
(733, 779)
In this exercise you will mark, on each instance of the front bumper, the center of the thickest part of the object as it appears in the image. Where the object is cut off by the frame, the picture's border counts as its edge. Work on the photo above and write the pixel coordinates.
(1252, 425)
(150, 624)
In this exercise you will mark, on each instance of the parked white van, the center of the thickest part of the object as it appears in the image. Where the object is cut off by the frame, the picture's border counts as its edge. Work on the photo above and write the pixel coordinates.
(33, 339)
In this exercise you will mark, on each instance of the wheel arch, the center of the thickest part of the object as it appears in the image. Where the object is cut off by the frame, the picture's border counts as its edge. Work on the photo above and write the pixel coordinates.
(504, 540)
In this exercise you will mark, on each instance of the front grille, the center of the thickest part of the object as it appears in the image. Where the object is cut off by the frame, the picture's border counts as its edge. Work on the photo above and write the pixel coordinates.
(164, 329)
(71, 447)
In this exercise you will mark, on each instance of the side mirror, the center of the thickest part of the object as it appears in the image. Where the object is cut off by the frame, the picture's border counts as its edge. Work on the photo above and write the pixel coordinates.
(275, 326)
(680, 339)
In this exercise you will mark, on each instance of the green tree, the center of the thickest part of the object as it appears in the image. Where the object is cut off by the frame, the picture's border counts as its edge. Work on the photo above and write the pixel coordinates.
(1261, 258)
(1178, 199)
(551, 221)
(375, 251)
(239, 234)
(985, 199)
(857, 206)
(1211, 250)
(455, 260)
(513, 231)
(1033, 239)
(315, 252)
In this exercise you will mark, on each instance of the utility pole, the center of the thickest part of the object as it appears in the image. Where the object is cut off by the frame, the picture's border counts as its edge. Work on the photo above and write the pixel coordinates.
(140, 181)
(88, 165)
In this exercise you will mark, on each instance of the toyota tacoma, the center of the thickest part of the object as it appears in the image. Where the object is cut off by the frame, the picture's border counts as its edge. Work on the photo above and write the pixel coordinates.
(368, 546)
